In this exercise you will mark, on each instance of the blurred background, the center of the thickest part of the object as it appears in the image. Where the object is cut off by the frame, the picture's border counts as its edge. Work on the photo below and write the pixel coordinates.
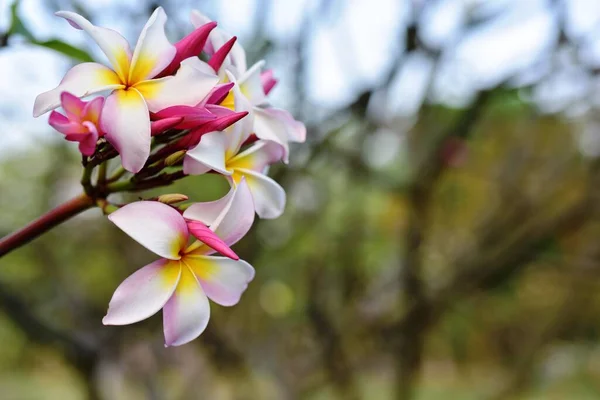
(441, 235)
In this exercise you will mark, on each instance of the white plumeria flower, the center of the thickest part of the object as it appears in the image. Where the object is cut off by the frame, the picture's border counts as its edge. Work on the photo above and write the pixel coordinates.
(272, 124)
(220, 151)
(126, 119)
(185, 278)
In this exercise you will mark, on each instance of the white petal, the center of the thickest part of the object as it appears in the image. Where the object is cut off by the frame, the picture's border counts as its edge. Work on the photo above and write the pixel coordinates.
(251, 84)
(143, 293)
(236, 219)
(268, 195)
(156, 226)
(188, 87)
(110, 42)
(126, 122)
(153, 51)
(81, 80)
(223, 279)
(210, 153)
(186, 314)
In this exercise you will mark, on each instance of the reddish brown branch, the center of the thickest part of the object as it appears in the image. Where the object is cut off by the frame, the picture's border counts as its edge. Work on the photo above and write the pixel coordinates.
(45, 223)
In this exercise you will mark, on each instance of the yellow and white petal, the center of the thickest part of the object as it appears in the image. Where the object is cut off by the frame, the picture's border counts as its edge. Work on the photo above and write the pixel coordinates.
(143, 293)
(187, 87)
(224, 280)
(126, 123)
(251, 84)
(153, 51)
(268, 195)
(110, 42)
(240, 131)
(186, 314)
(258, 156)
(208, 155)
(81, 80)
(155, 225)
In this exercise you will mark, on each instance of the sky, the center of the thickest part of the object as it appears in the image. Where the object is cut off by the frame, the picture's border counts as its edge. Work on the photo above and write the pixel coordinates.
(351, 46)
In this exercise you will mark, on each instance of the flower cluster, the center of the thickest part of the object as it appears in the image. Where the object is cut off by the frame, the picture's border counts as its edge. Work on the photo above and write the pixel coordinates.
(169, 114)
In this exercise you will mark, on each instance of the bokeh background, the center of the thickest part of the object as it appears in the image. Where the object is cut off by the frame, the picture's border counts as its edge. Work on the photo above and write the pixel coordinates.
(441, 235)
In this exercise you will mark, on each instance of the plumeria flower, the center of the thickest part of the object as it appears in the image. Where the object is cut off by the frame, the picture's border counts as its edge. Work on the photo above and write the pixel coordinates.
(134, 93)
(81, 122)
(272, 124)
(182, 281)
(220, 151)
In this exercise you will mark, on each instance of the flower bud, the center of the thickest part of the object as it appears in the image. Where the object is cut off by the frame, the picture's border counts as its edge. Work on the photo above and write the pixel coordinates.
(172, 198)
(174, 158)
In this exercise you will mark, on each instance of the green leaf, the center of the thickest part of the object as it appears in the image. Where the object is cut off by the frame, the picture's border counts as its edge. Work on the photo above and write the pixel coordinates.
(64, 48)
(16, 25)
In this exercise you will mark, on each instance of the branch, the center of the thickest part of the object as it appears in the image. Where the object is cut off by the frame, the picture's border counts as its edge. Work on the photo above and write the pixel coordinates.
(44, 223)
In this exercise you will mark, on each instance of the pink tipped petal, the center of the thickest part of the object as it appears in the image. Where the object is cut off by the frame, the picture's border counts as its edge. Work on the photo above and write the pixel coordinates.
(208, 237)
(268, 81)
(110, 42)
(218, 124)
(143, 293)
(278, 126)
(63, 124)
(252, 86)
(223, 280)
(156, 226)
(73, 106)
(153, 51)
(192, 117)
(126, 123)
(217, 59)
(81, 80)
(210, 152)
(186, 314)
(188, 87)
(258, 156)
(189, 46)
(207, 212)
(93, 110)
(217, 94)
(236, 219)
(268, 195)
(87, 146)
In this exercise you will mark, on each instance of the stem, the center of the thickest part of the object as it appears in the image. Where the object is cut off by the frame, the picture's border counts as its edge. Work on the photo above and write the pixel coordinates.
(102, 173)
(45, 223)
(119, 172)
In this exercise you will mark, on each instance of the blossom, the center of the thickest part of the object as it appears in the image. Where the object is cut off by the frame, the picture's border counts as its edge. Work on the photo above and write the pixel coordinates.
(81, 122)
(182, 281)
(135, 89)
(220, 151)
(270, 123)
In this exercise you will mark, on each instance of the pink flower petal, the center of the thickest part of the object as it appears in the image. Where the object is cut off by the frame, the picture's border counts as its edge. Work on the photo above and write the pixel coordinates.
(153, 51)
(72, 105)
(156, 226)
(217, 94)
(223, 280)
(217, 59)
(110, 42)
(186, 314)
(143, 293)
(126, 122)
(158, 127)
(208, 237)
(189, 46)
(268, 81)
